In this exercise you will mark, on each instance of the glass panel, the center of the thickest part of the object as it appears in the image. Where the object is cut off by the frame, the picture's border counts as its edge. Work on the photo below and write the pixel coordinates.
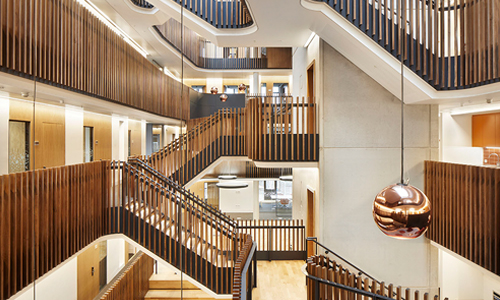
(19, 146)
(88, 144)
(275, 199)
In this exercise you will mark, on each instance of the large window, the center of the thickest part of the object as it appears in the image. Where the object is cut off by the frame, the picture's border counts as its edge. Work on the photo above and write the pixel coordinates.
(275, 199)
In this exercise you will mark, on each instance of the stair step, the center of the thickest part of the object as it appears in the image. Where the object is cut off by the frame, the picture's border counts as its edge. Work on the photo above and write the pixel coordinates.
(169, 280)
(176, 295)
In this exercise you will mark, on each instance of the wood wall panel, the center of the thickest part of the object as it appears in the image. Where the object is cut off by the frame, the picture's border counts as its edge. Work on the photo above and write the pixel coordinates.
(465, 210)
(70, 48)
(102, 134)
(486, 130)
(279, 58)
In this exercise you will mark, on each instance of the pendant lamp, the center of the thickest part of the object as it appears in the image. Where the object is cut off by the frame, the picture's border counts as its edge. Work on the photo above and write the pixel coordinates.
(401, 210)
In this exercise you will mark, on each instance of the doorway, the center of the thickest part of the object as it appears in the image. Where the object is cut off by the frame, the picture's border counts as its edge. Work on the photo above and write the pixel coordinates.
(310, 222)
(310, 82)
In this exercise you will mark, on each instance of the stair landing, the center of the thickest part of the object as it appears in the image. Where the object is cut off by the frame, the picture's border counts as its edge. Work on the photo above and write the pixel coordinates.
(167, 285)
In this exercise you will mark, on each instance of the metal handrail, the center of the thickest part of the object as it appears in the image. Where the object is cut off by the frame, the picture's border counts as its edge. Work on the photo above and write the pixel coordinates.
(315, 240)
(318, 280)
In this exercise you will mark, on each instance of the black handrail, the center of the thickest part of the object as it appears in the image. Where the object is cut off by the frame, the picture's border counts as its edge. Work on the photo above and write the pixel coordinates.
(182, 190)
(318, 280)
(327, 251)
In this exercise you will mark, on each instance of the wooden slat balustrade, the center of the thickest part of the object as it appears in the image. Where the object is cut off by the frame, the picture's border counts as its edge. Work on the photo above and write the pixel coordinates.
(61, 43)
(449, 44)
(275, 237)
(220, 14)
(46, 216)
(281, 129)
(204, 54)
(324, 268)
(465, 210)
(238, 284)
(132, 283)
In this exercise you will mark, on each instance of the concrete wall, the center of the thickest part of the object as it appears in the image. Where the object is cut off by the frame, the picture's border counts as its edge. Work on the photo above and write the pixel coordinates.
(360, 155)
(303, 179)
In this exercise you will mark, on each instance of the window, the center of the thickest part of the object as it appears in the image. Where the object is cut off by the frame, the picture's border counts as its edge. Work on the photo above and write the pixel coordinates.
(263, 89)
(198, 88)
(88, 144)
(231, 89)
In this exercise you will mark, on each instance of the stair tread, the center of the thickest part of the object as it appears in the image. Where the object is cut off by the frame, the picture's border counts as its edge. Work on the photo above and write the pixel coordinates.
(167, 294)
(169, 280)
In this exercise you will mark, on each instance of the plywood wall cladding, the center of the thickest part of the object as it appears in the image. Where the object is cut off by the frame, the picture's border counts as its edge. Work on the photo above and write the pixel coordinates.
(102, 134)
(61, 43)
(465, 210)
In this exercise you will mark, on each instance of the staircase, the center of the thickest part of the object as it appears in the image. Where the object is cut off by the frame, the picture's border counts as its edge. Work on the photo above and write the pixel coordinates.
(268, 129)
(168, 285)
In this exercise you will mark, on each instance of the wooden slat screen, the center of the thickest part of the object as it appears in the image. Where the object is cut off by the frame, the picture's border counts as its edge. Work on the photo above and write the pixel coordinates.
(465, 210)
(252, 171)
(220, 14)
(133, 283)
(324, 268)
(62, 44)
(46, 216)
(204, 54)
(275, 235)
(282, 129)
(450, 44)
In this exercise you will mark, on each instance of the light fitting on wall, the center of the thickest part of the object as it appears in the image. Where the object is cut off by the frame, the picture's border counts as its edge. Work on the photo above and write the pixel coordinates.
(232, 185)
(223, 98)
(242, 87)
(214, 90)
(286, 178)
(400, 210)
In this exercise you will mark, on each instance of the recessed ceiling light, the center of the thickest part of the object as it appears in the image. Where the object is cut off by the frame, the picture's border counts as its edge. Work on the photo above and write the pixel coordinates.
(232, 185)
(227, 177)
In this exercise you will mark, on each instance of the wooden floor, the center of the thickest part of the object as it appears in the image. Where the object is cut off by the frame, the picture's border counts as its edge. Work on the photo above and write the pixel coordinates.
(280, 280)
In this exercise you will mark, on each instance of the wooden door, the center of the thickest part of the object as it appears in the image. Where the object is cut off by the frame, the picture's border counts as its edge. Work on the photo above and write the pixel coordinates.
(50, 149)
(310, 82)
(88, 273)
(310, 222)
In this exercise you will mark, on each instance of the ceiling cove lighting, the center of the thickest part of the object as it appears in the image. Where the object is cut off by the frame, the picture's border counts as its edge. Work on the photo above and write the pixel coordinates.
(227, 177)
(309, 40)
(286, 178)
(112, 25)
(400, 210)
(232, 185)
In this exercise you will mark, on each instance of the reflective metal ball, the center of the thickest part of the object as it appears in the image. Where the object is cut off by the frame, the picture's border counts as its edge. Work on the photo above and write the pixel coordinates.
(402, 211)
(242, 87)
(214, 90)
(223, 97)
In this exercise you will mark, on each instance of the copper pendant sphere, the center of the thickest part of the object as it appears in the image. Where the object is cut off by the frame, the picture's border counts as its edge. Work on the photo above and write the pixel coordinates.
(242, 87)
(402, 211)
(223, 97)
(214, 90)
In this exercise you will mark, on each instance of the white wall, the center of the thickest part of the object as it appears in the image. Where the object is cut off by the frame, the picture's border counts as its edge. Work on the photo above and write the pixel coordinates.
(60, 283)
(115, 257)
(119, 132)
(4, 133)
(360, 155)
(237, 200)
(461, 279)
(73, 135)
(303, 179)
(217, 82)
(456, 140)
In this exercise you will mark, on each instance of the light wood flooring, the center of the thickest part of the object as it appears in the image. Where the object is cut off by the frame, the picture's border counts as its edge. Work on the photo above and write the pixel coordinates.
(280, 280)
